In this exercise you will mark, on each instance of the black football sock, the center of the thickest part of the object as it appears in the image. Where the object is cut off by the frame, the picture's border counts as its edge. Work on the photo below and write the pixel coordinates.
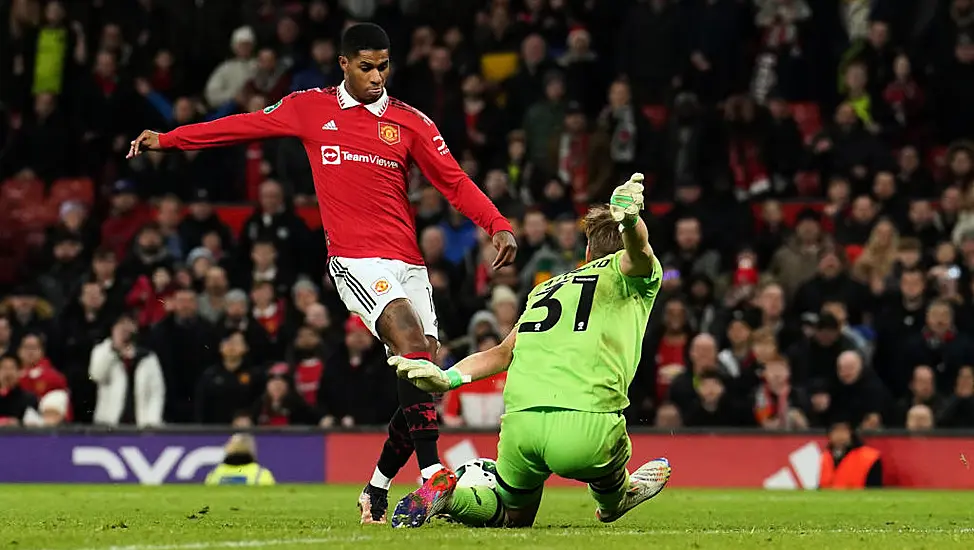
(395, 452)
(421, 422)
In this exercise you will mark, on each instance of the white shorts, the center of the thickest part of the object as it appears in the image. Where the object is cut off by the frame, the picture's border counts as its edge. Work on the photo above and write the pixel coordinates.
(367, 285)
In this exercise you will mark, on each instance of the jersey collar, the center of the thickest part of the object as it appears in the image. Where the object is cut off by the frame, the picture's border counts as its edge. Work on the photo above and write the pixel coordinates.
(346, 101)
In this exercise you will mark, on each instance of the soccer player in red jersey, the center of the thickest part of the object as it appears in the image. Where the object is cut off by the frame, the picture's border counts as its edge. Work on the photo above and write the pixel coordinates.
(360, 143)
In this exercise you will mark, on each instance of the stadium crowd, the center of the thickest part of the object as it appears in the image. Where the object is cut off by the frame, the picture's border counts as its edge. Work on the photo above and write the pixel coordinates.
(126, 299)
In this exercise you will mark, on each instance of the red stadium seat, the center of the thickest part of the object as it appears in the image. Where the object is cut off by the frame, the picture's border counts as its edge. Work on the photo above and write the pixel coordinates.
(16, 191)
(809, 119)
(657, 115)
(75, 189)
(808, 184)
(32, 217)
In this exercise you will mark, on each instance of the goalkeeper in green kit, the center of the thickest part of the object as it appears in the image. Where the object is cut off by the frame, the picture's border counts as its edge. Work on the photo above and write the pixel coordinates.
(569, 363)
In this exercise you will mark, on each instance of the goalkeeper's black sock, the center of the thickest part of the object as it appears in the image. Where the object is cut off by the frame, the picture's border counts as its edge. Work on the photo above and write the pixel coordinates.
(420, 412)
(395, 452)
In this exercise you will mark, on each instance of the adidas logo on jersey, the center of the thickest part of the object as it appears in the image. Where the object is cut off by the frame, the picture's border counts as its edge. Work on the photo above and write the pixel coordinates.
(330, 125)
(802, 471)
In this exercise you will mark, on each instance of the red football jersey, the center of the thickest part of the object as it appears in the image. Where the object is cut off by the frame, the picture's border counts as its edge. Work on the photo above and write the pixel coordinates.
(360, 157)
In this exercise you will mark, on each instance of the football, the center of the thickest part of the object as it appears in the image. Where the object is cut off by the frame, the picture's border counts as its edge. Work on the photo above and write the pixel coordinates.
(479, 472)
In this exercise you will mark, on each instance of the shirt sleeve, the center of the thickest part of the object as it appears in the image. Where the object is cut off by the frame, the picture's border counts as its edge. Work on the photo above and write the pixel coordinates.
(279, 120)
(434, 159)
(647, 287)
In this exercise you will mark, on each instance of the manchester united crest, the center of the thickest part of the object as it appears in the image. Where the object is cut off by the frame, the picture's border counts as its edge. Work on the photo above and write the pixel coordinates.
(389, 132)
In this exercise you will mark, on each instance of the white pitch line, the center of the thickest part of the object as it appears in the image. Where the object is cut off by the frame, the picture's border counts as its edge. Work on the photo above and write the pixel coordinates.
(541, 532)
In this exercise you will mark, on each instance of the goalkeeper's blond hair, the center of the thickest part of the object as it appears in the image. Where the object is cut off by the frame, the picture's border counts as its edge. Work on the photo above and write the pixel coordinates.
(602, 232)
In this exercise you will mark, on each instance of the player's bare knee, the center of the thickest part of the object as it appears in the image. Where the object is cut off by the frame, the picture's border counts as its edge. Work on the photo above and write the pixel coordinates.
(401, 329)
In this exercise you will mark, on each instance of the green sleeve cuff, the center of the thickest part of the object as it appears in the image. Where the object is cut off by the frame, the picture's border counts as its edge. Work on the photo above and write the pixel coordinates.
(456, 378)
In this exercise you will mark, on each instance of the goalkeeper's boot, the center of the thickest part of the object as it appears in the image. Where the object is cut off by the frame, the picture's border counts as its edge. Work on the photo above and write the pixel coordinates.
(373, 504)
(644, 484)
(429, 500)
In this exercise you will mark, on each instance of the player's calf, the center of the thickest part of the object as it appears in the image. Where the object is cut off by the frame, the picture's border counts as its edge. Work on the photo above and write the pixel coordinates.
(401, 329)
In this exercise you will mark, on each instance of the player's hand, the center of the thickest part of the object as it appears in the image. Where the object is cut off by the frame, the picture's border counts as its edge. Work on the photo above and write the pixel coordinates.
(422, 374)
(506, 246)
(146, 140)
(627, 199)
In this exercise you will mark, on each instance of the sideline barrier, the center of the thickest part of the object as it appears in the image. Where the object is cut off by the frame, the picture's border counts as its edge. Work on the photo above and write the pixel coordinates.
(730, 459)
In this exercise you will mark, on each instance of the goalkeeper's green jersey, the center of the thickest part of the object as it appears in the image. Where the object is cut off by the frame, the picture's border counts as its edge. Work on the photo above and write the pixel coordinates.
(580, 338)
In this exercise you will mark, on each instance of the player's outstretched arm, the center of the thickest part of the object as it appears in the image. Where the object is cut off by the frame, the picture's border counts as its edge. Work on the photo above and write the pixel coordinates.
(625, 204)
(429, 377)
(438, 165)
(279, 120)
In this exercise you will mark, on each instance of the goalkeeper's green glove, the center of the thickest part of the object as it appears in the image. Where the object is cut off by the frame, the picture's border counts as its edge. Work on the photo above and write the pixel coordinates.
(627, 201)
(427, 376)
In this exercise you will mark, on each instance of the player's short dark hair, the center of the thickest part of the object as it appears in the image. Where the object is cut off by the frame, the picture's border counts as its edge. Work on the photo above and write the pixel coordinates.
(602, 232)
(363, 36)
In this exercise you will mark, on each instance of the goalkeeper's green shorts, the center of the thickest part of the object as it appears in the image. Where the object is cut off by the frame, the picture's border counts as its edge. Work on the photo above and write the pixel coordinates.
(535, 443)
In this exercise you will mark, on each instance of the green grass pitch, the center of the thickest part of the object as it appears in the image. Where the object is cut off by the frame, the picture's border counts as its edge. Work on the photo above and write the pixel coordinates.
(200, 518)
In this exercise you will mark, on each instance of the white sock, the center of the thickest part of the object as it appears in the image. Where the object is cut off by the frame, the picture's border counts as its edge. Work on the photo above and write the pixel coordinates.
(428, 471)
(380, 481)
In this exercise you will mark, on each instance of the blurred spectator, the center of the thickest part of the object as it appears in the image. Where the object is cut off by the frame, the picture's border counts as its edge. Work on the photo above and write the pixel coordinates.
(564, 255)
(690, 256)
(664, 355)
(526, 86)
(199, 261)
(831, 283)
(770, 301)
(913, 179)
(127, 217)
(83, 324)
(795, 262)
(906, 100)
(6, 337)
(323, 72)
(645, 53)
(61, 279)
(280, 405)
(951, 201)
(846, 148)
(874, 267)
(938, 346)
(202, 220)
(668, 417)
(43, 146)
(543, 118)
(27, 314)
(150, 294)
(771, 234)
(38, 375)
(168, 216)
(891, 203)
(275, 222)
(148, 253)
(585, 76)
(228, 386)
(857, 393)
(958, 410)
(579, 157)
(270, 78)
(847, 463)
(737, 358)
(14, 400)
(237, 317)
(897, 323)
(481, 404)
(131, 387)
(777, 404)
(713, 406)
(270, 313)
(703, 359)
(813, 359)
(182, 364)
(54, 408)
(922, 225)
(922, 392)
(701, 303)
(629, 133)
(106, 108)
(859, 342)
(856, 229)
(919, 419)
(534, 236)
